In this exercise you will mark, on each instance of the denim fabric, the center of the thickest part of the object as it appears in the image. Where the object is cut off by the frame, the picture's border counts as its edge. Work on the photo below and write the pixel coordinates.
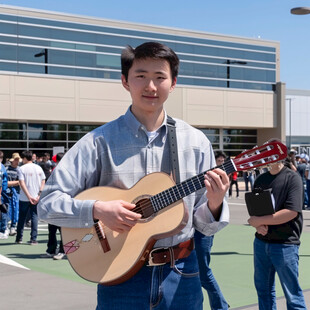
(157, 288)
(203, 245)
(24, 206)
(270, 258)
(308, 192)
(4, 197)
(14, 207)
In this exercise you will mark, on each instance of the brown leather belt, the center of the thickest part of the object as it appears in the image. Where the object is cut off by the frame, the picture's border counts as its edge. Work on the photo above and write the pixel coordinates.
(161, 256)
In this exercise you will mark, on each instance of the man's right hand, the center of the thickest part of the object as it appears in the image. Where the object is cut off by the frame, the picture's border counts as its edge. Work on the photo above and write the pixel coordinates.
(116, 214)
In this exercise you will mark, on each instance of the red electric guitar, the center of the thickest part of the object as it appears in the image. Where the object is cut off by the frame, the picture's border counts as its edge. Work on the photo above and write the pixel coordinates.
(101, 255)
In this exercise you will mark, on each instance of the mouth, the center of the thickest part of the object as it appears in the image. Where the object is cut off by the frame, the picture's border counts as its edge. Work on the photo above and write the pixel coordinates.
(150, 97)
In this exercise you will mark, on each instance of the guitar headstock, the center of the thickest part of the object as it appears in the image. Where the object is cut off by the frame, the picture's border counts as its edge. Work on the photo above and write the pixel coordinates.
(270, 152)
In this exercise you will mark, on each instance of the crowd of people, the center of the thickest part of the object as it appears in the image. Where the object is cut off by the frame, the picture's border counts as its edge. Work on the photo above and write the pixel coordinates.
(22, 179)
(119, 154)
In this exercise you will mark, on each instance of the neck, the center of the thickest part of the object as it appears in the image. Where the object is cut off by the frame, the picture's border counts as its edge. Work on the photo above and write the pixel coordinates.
(151, 120)
(276, 168)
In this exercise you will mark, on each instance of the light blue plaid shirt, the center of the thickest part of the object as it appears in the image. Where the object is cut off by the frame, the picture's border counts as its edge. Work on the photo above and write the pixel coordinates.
(119, 154)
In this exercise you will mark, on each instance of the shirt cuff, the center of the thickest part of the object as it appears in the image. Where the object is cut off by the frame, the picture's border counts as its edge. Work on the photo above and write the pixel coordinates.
(205, 223)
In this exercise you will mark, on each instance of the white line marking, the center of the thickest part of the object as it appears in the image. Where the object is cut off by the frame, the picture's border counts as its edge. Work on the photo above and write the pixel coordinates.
(5, 260)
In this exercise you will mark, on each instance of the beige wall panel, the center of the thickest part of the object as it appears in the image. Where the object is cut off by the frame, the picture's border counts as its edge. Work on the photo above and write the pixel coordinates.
(5, 107)
(176, 103)
(103, 90)
(205, 107)
(44, 87)
(102, 111)
(45, 111)
(4, 84)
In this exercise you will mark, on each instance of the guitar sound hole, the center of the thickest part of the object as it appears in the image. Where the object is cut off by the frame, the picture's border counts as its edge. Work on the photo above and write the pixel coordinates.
(144, 207)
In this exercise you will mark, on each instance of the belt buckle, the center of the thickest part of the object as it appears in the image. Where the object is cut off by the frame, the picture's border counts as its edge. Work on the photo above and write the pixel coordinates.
(150, 262)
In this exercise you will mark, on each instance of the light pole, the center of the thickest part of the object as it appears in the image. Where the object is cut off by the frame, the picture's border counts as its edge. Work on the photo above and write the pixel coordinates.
(45, 54)
(300, 10)
(229, 62)
(290, 120)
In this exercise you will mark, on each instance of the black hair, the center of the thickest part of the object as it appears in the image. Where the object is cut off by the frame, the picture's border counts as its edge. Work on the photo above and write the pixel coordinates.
(152, 50)
(59, 156)
(27, 155)
(218, 154)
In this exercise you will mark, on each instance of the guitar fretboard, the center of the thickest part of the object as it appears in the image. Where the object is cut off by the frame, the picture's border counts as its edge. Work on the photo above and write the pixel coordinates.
(185, 188)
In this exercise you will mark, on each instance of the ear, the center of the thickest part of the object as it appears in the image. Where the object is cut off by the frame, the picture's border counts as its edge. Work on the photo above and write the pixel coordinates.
(124, 82)
(174, 82)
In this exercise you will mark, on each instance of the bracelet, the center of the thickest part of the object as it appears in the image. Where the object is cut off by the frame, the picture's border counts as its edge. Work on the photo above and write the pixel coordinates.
(39, 193)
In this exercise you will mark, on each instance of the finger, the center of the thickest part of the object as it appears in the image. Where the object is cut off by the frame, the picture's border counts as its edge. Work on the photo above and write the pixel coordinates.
(127, 204)
(220, 175)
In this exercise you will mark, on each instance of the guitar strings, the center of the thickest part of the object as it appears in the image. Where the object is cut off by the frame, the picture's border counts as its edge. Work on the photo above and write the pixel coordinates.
(166, 196)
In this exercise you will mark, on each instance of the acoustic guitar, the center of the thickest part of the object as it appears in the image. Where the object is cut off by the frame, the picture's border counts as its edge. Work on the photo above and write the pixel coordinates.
(101, 255)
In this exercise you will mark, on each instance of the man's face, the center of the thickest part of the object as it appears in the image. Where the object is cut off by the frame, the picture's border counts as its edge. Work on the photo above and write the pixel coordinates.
(15, 162)
(220, 160)
(149, 83)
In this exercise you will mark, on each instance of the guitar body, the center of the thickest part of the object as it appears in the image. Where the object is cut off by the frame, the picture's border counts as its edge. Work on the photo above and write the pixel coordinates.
(126, 251)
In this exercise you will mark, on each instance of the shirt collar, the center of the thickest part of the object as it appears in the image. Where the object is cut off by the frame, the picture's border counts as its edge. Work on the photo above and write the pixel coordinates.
(135, 125)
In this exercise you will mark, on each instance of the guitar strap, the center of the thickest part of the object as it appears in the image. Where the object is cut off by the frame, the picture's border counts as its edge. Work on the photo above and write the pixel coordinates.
(173, 147)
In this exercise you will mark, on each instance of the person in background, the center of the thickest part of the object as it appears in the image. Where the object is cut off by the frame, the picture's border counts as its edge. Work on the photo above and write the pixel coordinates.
(301, 169)
(31, 180)
(52, 251)
(277, 238)
(4, 200)
(248, 177)
(13, 191)
(203, 246)
(307, 175)
(234, 181)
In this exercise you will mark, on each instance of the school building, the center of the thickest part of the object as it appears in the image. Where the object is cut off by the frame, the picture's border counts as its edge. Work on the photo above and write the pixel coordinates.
(297, 120)
(60, 78)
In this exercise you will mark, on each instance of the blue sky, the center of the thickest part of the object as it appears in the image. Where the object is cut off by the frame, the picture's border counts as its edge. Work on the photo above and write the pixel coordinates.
(265, 19)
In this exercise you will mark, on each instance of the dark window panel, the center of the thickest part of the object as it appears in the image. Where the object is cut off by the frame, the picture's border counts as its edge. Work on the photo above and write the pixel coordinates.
(12, 144)
(17, 126)
(13, 135)
(83, 128)
(56, 127)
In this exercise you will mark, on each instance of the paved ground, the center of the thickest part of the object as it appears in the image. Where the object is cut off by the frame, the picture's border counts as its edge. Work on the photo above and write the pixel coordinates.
(32, 290)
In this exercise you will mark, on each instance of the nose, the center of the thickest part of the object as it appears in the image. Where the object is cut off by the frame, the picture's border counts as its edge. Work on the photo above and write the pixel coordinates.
(150, 86)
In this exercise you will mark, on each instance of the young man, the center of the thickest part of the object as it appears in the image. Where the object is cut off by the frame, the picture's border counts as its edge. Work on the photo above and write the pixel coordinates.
(203, 246)
(119, 154)
(31, 180)
(277, 238)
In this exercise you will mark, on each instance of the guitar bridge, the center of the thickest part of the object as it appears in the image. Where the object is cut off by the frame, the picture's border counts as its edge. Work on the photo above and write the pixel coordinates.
(102, 237)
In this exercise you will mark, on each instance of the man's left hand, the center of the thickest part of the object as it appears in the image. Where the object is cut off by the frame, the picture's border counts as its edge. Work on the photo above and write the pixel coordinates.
(217, 184)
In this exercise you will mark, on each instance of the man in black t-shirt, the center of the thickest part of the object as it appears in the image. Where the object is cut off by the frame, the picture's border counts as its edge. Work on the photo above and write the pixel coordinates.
(277, 238)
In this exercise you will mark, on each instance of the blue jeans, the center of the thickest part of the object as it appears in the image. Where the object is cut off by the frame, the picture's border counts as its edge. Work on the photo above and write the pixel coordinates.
(308, 193)
(4, 216)
(270, 258)
(24, 206)
(203, 245)
(14, 207)
(160, 287)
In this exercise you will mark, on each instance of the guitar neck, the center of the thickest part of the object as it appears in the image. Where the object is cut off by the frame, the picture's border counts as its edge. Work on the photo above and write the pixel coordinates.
(185, 188)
